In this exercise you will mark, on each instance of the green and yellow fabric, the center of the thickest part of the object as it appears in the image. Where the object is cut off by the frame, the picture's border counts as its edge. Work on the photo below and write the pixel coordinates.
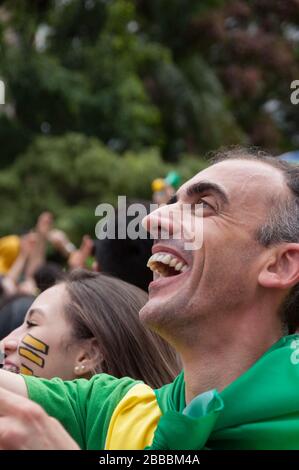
(260, 410)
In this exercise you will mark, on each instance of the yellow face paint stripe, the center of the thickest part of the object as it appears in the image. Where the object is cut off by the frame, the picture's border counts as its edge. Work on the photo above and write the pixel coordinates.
(134, 420)
(35, 344)
(31, 356)
(25, 370)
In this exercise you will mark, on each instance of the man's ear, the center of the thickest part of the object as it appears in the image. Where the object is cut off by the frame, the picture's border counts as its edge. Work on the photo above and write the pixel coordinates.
(281, 270)
(88, 358)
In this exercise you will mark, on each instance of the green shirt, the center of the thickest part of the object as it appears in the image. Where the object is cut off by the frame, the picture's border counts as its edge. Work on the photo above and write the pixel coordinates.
(259, 410)
(84, 407)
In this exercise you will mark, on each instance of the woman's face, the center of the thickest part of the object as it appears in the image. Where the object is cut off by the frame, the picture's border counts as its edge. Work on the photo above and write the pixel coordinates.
(41, 346)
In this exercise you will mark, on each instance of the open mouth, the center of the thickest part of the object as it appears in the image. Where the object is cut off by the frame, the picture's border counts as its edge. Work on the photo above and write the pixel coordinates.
(166, 264)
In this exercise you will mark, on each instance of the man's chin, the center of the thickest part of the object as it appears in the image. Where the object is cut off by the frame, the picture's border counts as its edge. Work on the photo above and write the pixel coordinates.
(156, 311)
(146, 311)
(164, 295)
(150, 312)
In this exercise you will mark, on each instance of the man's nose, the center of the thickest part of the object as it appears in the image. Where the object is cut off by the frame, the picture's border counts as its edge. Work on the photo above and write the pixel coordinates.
(159, 223)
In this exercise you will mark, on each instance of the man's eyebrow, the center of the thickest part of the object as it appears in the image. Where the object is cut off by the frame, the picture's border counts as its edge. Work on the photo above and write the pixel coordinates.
(203, 186)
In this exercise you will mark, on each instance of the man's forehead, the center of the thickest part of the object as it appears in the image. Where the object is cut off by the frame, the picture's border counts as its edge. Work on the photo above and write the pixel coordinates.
(241, 175)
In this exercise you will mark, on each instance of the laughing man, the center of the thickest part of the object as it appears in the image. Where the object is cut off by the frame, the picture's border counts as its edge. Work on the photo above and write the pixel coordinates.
(227, 307)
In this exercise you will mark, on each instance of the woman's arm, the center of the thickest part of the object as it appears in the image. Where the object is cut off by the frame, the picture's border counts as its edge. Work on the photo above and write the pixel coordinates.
(13, 383)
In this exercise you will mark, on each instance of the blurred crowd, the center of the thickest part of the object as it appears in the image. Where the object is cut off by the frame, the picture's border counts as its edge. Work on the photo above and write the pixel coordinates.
(60, 295)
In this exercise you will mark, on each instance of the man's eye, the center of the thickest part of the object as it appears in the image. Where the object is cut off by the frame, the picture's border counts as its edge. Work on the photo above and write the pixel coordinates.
(205, 205)
(202, 206)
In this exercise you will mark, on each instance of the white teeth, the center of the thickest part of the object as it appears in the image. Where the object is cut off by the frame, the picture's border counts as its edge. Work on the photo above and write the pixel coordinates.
(152, 259)
(167, 259)
(178, 267)
(173, 262)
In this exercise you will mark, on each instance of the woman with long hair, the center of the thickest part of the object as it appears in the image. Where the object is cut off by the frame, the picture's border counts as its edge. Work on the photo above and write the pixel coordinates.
(85, 325)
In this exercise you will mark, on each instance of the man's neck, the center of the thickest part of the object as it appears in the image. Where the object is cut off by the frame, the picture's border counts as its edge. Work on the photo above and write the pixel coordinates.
(222, 354)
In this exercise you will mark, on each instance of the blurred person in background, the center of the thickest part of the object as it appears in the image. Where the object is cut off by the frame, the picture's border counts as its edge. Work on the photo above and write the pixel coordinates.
(47, 275)
(122, 258)
(125, 258)
(12, 312)
(163, 189)
(9, 250)
(27, 271)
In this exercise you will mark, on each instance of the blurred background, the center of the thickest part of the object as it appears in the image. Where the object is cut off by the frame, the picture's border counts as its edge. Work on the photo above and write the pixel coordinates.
(104, 96)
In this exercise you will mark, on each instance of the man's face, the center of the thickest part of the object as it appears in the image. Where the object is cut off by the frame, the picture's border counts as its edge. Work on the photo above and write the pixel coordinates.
(222, 275)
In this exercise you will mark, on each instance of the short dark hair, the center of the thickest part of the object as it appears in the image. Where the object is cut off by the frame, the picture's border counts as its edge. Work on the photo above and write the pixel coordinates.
(106, 308)
(282, 223)
(126, 258)
(47, 275)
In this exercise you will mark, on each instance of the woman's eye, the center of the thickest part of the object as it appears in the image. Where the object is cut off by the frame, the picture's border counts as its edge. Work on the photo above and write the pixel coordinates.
(30, 324)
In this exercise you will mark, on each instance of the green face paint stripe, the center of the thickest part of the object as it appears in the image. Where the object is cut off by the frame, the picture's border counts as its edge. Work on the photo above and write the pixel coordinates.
(35, 344)
(25, 370)
(31, 356)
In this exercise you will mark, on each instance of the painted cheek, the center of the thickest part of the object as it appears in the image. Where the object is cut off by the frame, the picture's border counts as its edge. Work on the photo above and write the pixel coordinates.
(34, 351)
(24, 370)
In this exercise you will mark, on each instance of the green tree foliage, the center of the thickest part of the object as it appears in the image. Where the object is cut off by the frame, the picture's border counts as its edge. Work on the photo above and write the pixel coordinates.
(95, 67)
(102, 96)
(253, 46)
(70, 175)
(68, 76)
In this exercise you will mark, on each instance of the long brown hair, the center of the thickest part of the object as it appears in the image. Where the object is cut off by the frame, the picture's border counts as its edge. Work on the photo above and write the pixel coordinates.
(106, 308)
